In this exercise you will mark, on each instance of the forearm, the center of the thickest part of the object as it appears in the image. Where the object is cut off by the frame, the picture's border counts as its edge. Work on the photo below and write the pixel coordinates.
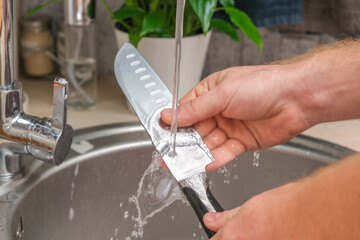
(330, 199)
(322, 206)
(327, 84)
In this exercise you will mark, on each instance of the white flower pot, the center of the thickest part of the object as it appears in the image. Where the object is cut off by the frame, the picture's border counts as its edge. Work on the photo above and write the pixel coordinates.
(160, 53)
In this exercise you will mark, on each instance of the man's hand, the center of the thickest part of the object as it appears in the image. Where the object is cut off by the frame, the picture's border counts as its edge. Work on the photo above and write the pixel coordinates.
(242, 109)
(246, 108)
(322, 206)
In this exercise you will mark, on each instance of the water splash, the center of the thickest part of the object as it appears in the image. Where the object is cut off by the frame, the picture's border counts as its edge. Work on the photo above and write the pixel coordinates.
(227, 171)
(157, 189)
(116, 231)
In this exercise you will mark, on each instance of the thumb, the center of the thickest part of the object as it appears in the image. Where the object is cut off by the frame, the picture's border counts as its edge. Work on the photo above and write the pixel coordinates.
(216, 220)
(197, 109)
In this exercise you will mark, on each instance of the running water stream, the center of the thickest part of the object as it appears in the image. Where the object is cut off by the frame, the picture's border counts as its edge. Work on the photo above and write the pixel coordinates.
(157, 189)
(178, 37)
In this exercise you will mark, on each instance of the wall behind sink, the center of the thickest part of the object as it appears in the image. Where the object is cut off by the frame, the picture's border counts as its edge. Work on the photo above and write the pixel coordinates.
(223, 52)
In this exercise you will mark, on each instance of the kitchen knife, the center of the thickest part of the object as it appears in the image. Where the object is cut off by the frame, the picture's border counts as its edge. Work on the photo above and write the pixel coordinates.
(148, 96)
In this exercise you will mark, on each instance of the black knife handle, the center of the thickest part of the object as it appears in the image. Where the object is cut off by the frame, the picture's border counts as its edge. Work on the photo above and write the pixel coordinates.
(201, 200)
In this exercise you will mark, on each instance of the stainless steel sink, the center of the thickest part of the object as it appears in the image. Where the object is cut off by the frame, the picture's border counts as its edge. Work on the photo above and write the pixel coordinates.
(87, 196)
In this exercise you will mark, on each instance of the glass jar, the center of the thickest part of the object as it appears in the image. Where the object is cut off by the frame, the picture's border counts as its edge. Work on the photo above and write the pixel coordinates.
(35, 41)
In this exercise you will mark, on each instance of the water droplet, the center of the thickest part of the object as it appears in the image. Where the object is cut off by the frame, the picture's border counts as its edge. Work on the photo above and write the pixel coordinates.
(126, 215)
(256, 159)
(71, 213)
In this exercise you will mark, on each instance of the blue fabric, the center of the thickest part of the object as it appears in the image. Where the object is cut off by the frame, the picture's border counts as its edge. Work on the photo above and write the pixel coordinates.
(266, 13)
(272, 12)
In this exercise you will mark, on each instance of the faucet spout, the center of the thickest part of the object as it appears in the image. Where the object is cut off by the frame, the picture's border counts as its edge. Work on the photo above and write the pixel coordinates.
(6, 44)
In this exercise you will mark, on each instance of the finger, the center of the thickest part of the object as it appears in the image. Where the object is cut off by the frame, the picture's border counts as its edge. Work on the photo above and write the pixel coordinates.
(204, 128)
(200, 108)
(216, 138)
(225, 153)
(163, 165)
(165, 115)
(196, 110)
(202, 87)
(217, 220)
(238, 130)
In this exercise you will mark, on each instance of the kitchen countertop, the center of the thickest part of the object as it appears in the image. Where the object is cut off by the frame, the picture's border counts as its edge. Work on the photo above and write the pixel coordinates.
(112, 107)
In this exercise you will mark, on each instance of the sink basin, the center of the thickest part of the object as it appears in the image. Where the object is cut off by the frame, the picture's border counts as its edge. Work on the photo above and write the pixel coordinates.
(87, 197)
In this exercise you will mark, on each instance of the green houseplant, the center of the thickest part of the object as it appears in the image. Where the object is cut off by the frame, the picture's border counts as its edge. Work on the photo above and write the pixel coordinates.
(156, 18)
(150, 25)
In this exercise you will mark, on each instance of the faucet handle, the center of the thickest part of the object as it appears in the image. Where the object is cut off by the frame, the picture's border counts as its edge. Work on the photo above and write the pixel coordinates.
(50, 139)
(59, 103)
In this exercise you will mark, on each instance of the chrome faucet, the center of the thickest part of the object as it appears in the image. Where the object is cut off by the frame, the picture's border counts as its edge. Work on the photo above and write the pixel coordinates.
(45, 139)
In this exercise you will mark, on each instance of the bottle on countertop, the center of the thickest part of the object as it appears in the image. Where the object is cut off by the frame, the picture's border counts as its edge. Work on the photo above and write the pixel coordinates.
(80, 53)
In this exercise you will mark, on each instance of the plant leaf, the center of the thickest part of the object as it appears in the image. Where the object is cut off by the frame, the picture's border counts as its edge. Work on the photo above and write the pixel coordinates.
(152, 21)
(227, 3)
(162, 32)
(131, 3)
(154, 5)
(204, 9)
(242, 21)
(35, 9)
(41, 6)
(127, 12)
(107, 8)
(90, 11)
(226, 28)
(134, 36)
